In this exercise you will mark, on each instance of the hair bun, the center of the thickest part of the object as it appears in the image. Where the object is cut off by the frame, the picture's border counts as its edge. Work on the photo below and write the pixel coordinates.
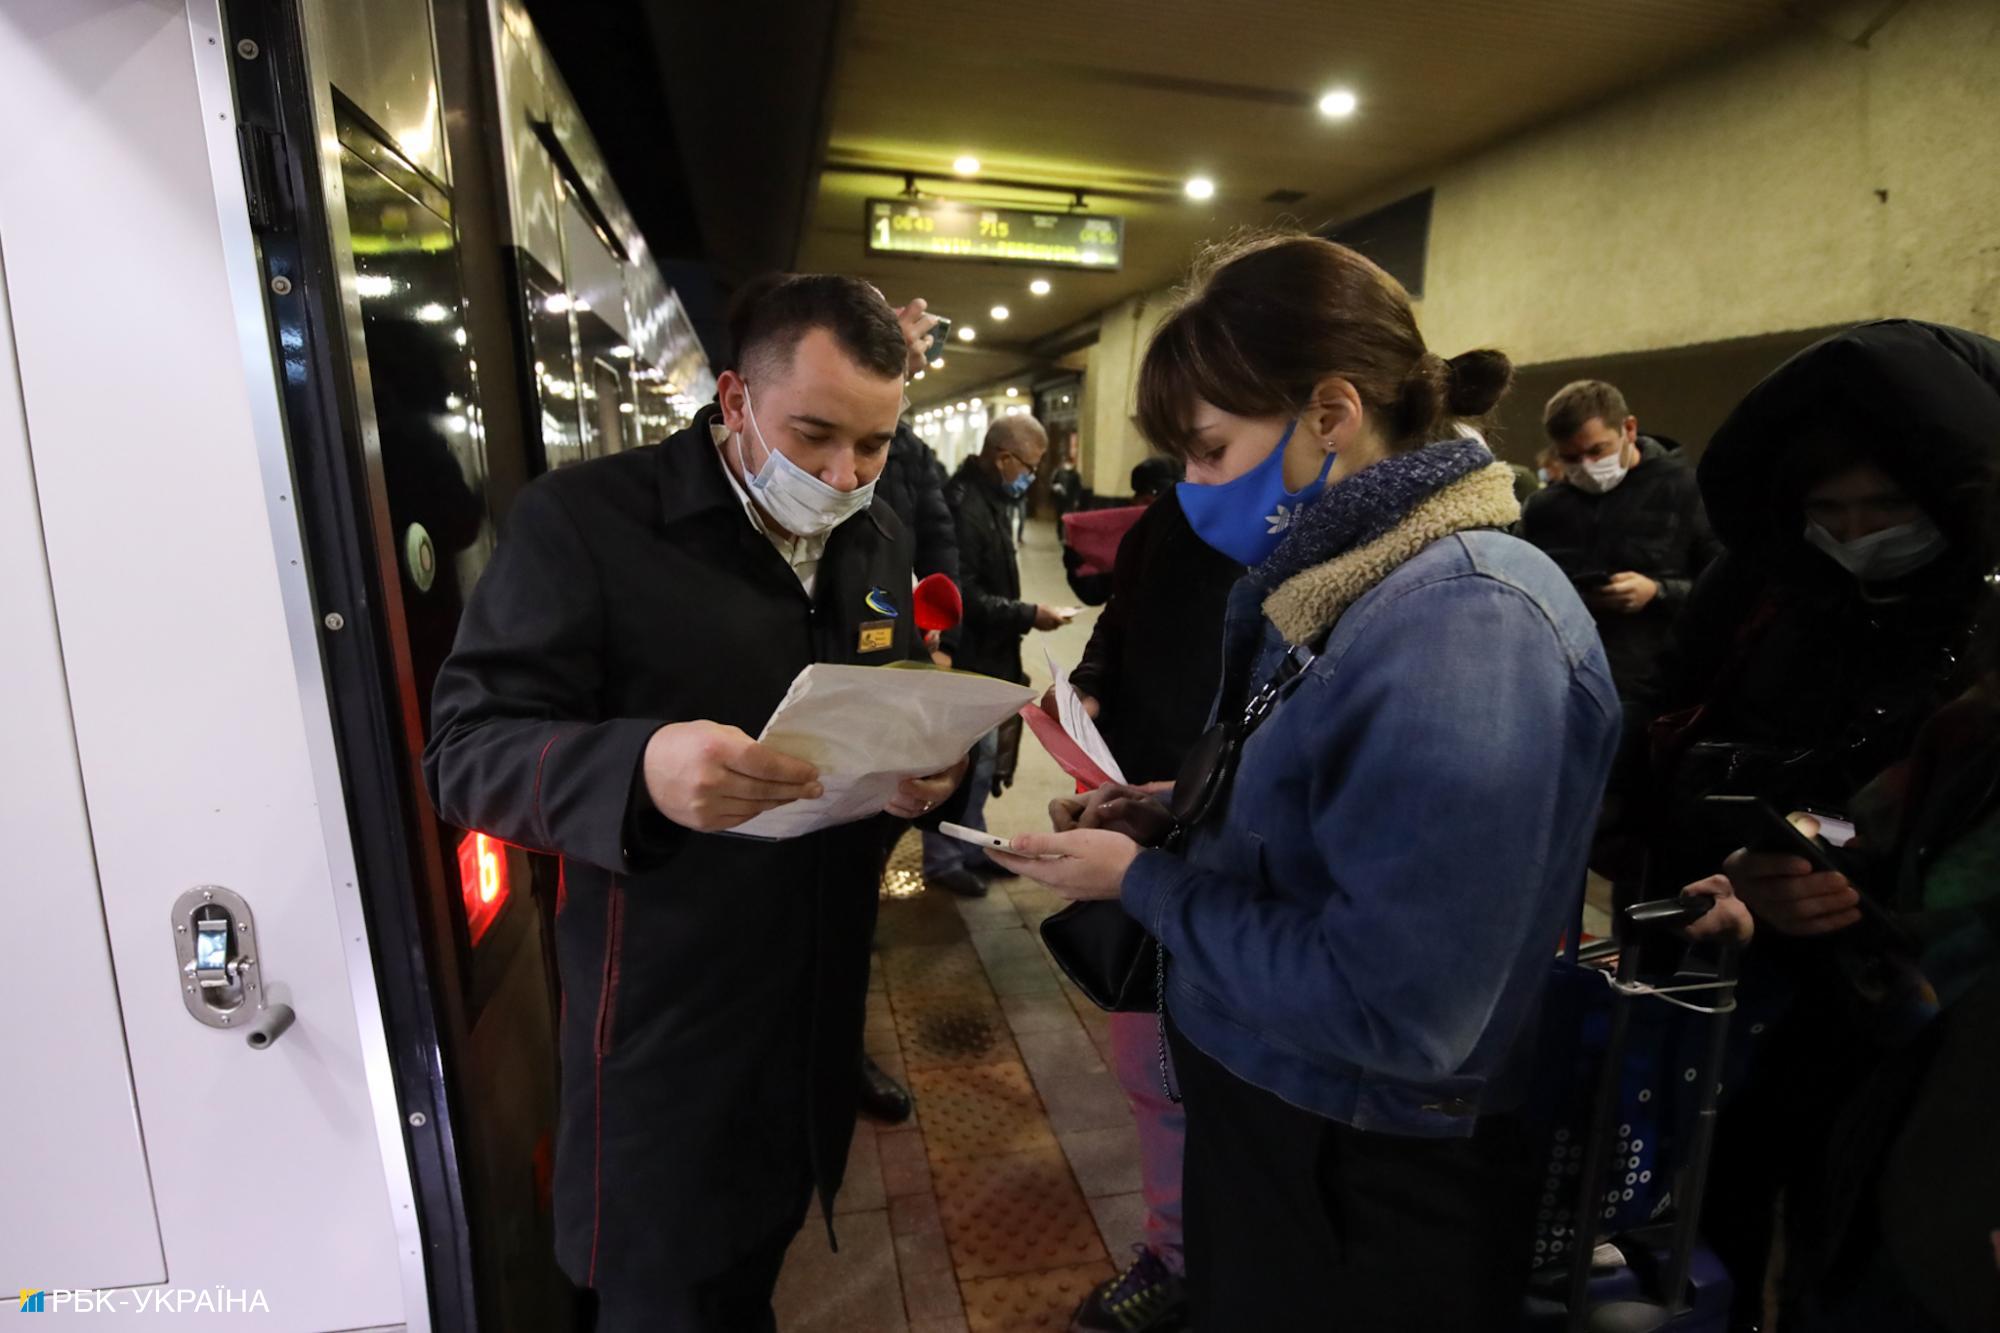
(1476, 381)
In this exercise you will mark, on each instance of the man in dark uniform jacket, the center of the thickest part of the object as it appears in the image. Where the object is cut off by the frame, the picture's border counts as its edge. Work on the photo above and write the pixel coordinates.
(638, 625)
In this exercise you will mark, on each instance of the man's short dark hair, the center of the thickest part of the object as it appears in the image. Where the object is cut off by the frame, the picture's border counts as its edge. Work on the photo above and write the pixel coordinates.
(771, 314)
(1576, 403)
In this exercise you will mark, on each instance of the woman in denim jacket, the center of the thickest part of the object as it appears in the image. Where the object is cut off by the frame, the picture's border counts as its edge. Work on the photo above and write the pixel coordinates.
(1358, 929)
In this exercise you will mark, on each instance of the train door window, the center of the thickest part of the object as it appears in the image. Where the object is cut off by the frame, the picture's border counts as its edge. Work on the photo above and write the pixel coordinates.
(429, 435)
(594, 275)
(556, 394)
(432, 478)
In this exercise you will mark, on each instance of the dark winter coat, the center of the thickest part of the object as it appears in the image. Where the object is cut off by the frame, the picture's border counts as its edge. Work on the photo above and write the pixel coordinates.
(1155, 657)
(996, 619)
(912, 484)
(713, 987)
(1651, 523)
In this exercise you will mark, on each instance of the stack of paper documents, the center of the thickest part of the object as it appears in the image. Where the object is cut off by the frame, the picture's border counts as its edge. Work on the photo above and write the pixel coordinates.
(867, 728)
(1075, 742)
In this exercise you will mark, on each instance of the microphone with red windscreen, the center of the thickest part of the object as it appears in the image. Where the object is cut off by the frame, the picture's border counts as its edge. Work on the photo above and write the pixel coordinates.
(939, 607)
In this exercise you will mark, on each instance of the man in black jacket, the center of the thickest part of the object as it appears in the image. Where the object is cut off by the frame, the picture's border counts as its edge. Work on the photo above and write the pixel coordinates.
(912, 484)
(996, 619)
(1625, 523)
(638, 625)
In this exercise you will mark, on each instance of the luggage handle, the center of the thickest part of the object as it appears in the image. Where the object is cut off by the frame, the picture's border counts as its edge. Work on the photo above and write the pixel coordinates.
(1658, 914)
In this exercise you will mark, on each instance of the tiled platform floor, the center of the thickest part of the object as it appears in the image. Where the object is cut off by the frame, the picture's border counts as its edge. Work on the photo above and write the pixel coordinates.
(1002, 1202)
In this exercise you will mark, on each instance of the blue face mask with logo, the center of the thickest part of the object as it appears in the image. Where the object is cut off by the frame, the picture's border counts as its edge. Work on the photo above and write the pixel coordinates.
(1245, 519)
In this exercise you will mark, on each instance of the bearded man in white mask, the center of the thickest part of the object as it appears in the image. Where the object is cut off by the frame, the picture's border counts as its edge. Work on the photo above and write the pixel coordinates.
(1624, 521)
(643, 616)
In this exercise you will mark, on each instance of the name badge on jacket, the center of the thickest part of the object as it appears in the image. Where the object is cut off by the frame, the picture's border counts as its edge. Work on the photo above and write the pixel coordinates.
(878, 635)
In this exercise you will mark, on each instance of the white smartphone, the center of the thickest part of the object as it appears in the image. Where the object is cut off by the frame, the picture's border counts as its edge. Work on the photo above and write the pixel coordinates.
(979, 838)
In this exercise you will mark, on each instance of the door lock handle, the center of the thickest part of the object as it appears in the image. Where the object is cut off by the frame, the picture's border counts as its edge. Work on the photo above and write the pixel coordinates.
(222, 980)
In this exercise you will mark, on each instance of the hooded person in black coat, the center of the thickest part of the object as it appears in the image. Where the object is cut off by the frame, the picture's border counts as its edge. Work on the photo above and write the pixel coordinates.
(1853, 491)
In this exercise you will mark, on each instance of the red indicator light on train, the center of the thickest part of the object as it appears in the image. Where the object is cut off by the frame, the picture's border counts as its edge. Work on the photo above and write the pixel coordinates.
(482, 876)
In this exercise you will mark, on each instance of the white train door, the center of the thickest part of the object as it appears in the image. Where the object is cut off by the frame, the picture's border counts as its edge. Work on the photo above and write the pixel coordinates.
(165, 727)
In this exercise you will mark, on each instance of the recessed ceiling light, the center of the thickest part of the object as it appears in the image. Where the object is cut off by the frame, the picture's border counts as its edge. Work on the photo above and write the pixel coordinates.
(1200, 187)
(937, 363)
(1338, 104)
(968, 165)
(1013, 392)
(999, 312)
(966, 333)
(1040, 286)
(918, 375)
(961, 407)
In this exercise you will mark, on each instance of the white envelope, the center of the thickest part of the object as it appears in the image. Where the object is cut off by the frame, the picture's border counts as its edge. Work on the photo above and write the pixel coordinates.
(867, 728)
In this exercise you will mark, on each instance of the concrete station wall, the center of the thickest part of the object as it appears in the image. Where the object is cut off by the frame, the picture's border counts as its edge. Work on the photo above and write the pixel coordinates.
(1684, 236)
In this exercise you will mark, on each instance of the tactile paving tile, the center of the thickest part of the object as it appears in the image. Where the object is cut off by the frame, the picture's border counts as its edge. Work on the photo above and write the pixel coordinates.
(1016, 1214)
(903, 877)
(979, 1111)
(933, 967)
(1029, 1300)
(952, 1028)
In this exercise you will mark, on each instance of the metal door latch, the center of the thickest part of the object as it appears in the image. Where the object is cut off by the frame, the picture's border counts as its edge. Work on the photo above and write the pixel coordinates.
(222, 983)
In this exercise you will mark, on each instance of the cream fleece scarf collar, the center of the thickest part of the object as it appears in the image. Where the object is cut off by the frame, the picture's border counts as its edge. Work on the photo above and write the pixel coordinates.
(1305, 606)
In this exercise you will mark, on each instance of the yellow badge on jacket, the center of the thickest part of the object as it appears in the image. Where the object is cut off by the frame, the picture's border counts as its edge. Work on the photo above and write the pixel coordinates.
(878, 635)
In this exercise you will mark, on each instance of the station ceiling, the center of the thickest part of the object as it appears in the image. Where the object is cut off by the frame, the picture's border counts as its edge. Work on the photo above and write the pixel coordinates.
(788, 126)
(1135, 97)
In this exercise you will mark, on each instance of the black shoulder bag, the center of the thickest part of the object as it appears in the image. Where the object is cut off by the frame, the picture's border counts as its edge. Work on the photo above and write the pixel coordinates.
(1104, 952)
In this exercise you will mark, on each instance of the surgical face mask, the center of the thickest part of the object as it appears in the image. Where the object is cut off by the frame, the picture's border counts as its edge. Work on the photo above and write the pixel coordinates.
(1245, 519)
(1598, 475)
(1019, 486)
(792, 497)
(1882, 556)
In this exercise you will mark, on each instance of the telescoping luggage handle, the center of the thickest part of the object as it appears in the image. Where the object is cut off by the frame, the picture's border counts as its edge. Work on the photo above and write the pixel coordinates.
(1664, 913)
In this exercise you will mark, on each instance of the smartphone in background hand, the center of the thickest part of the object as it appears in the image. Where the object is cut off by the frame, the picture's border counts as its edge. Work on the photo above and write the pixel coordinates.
(1590, 580)
(1755, 825)
(1751, 822)
(940, 338)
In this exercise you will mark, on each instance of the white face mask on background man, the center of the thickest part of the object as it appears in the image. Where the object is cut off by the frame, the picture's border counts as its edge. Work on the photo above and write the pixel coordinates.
(1598, 475)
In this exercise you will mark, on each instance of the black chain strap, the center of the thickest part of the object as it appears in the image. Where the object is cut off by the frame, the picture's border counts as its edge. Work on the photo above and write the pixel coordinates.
(1260, 707)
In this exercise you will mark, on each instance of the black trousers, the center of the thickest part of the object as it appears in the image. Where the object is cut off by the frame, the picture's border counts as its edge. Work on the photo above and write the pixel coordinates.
(735, 1300)
(1299, 1223)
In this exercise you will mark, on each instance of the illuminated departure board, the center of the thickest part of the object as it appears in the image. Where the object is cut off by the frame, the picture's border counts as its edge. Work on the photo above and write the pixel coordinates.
(944, 229)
